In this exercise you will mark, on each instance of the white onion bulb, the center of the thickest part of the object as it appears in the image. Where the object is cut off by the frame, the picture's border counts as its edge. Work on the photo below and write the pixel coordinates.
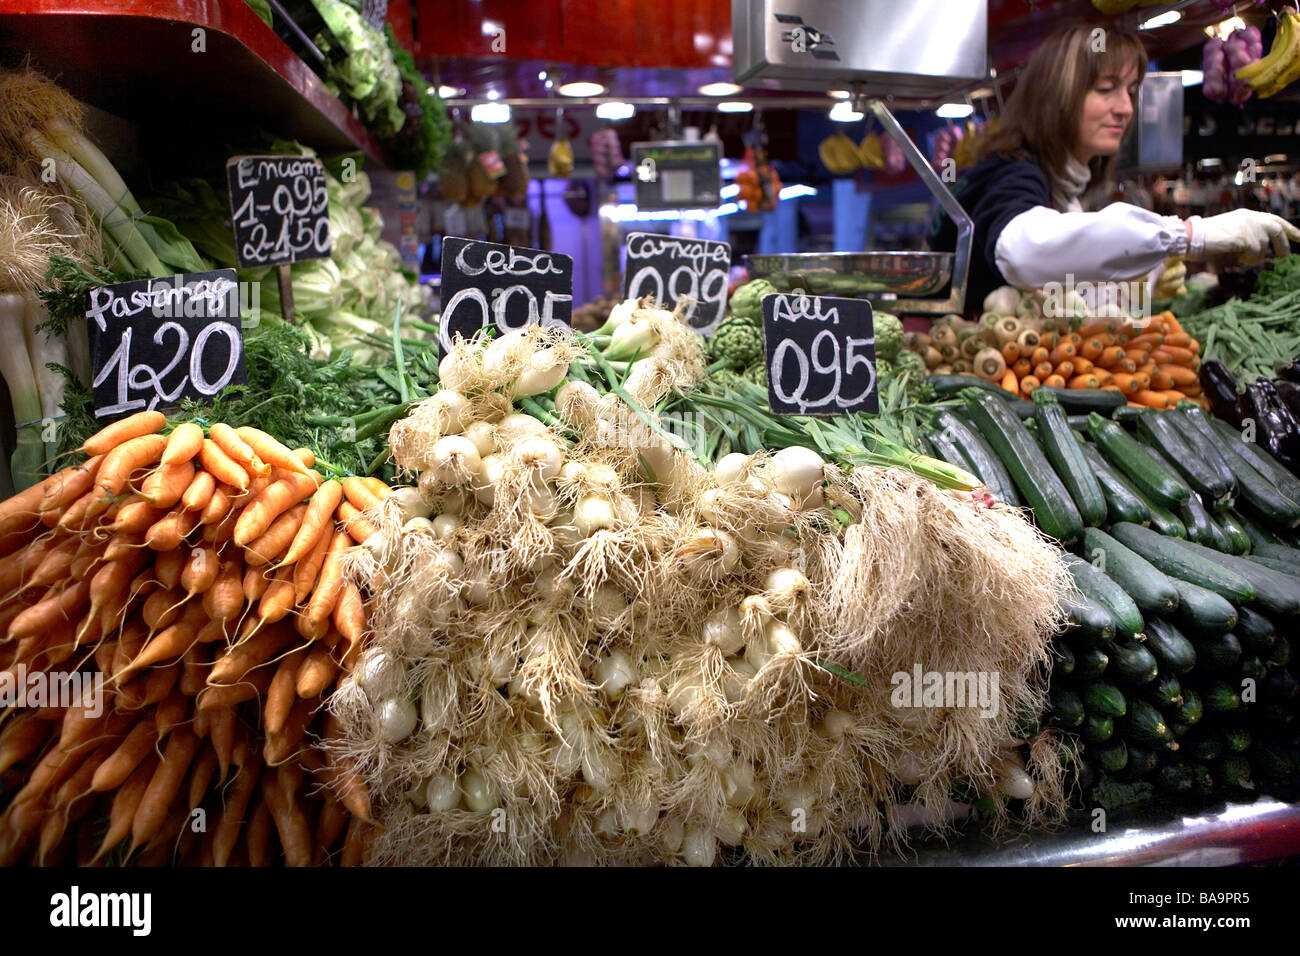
(397, 719)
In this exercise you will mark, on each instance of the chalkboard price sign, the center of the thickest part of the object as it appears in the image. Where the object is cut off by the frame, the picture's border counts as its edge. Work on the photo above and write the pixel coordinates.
(821, 355)
(509, 287)
(280, 209)
(156, 341)
(672, 268)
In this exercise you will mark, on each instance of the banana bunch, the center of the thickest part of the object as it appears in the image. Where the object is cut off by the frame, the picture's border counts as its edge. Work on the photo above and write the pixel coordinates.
(840, 155)
(559, 161)
(1281, 67)
(871, 154)
(1172, 280)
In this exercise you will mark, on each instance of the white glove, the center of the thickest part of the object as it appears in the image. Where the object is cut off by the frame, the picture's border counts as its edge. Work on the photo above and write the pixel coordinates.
(1243, 233)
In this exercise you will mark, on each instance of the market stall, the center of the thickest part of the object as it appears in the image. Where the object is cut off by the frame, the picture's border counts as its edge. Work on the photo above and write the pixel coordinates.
(803, 556)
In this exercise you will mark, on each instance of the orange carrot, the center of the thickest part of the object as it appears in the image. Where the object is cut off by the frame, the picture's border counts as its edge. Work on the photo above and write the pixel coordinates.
(171, 710)
(240, 452)
(61, 489)
(183, 444)
(317, 520)
(329, 827)
(306, 456)
(219, 504)
(1066, 369)
(275, 541)
(1062, 352)
(167, 533)
(225, 599)
(251, 653)
(1039, 356)
(22, 737)
(223, 726)
(1022, 367)
(58, 605)
(125, 803)
(1028, 384)
(281, 747)
(357, 524)
(201, 776)
(1174, 396)
(1054, 381)
(1127, 382)
(222, 466)
(124, 459)
(1042, 370)
(290, 823)
(1152, 338)
(200, 570)
(1011, 383)
(1010, 352)
(194, 665)
(1161, 381)
(280, 695)
(199, 492)
(1179, 356)
(1151, 399)
(278, 498)
(257, 579)
(173, 641)
(120, 432)
(317, 672)
(330, 585)
(307, 569)
(1126, 365)
(1082, 366)
(232, 815)
(182, 745)
(1092, 348)
(1111, 356)
(1179, 340)
(277, 602)
(271, 451)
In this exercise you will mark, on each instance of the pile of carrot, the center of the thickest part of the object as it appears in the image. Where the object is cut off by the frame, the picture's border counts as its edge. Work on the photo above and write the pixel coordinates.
(201, 576)
(1154, 365)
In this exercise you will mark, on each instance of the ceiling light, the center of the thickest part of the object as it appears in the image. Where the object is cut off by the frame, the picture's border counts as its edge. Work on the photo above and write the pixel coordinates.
(719, 89)
(490, 113)
(1193, 77)
(735, 106)
(1161, 20)
(838, 94)
(1275, 158)
(1210, 163)
(581, 88)
(843, 112)
(615, 111)
(954, 111)
(493, 94)
(1224, 28)
(448, 92)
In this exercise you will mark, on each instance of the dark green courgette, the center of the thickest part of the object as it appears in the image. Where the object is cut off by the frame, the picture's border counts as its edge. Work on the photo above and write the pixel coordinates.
(1166, 691)
(1089, 618)
(1260, 460)
(1202, 612)
(1065, 455)
(1276, 592)
(1081, 401)
(1192, 708)
(1126, 415)
(1038, 484)
(1122, 502)
(1170, 648)
(1090, 663)
(1141, 761)
(1150, 589)
(1146, 725)
(1113, 757)
(1160, 431)
(1063, 666)
(1279, 552)
(1280, 653)
(1175, 778)
(983, 462)
(1161, 519)
(1200, 527)
(1100, 588)
(1281, 567)
(1260, 494)
(1220, 653)
(1258, 533)
(1067, 708)
(1230, 527)
(1222, 698)
(1098, 728)
(948, 450)
(1106, 699)
(1173, 557)
(950, 386)
(1132, 663)
(1256, 632)
(1151, 478)
(1191, 430)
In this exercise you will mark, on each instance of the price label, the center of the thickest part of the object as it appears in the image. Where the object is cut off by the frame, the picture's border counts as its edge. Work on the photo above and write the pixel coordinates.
(672, 268)
(509, 287)
(279, 208)
(821, 355)
(677, 175)
(156, 341)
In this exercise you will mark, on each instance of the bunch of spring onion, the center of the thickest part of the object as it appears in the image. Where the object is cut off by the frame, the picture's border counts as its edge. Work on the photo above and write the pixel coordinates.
(639, 657)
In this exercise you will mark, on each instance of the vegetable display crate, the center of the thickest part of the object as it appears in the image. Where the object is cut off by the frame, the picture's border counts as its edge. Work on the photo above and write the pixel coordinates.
(203, 71)
(1222, 835)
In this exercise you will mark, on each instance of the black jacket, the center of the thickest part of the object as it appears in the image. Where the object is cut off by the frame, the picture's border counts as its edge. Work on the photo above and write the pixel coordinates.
(993, 192)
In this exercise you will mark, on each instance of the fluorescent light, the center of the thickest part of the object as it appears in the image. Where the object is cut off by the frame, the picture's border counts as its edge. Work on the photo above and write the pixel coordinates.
(954, 111)
(719, 89)
(795, 191)
(729, 190)
(1161, 20)
(490, 113)
(735, 106)
(615, 111)
(1193, 77)
(581, 88)
(448, 92)
(1212, 163)
(1274, 158)
(838, 94)
(843, 112)
(1225, 28)
(493, 94)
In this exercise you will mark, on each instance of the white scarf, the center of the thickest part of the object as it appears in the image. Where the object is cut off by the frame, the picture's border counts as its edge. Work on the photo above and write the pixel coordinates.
(1070, 186)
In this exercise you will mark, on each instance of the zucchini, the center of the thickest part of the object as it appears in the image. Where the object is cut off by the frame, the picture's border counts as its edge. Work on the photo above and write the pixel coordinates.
(1100, 588)
(1132, 662)
(1237, 739)
(983, 463)
(1200, 528)
(1122, 502)
(1161, 432)
(1064, 663)
(1113, 757)
(1203, 446)
(1203, 780)
(1259, 494)
(1063, 452)
(1146, 725)
(1105, 699)
(1152, 478)
(1166, 692)
(948, 450)
(1279, 686)
(1076, 422)
(1126, 415)
(1235, 771)
(1067, 709)
(1255, 631)
(1281, 567)
(1175, 778)
(1081, 401)
(1098, 728)
(1219, 653)
(1202, 612)
(1192, 709)
(1278, 552)
(1272, 760)
(1041, 489)
(1251, 667)
(1257, 533)
(1222, 698)
(1230, 528)
(1173, 557)
(1090, 664)
(1113, 795)
(1171, 649)
(1208, 748)
(1141, 761)
(950, 386)
(1150, 589)
(1276, 592)
(1090, 619)
(1261, 461)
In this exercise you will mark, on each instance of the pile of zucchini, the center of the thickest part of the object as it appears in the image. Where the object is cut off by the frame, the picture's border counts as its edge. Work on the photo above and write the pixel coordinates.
(1172, 677)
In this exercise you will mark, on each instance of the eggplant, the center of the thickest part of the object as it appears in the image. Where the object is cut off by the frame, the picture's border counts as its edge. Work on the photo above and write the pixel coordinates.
(1220, 389)
(1288, 394)
(1275, 426)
